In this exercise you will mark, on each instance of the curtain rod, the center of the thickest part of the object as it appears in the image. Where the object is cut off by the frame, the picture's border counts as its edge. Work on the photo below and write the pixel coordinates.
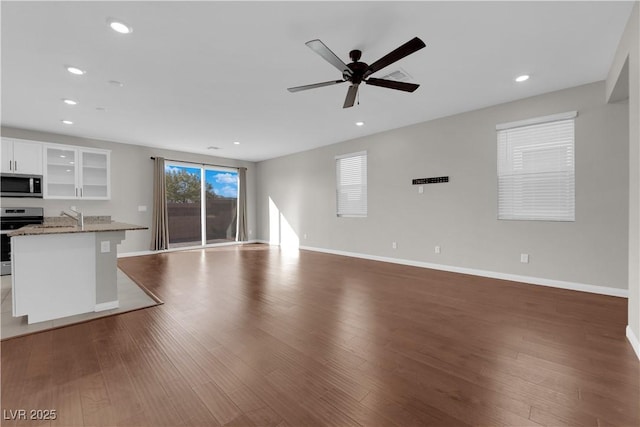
(201, 163)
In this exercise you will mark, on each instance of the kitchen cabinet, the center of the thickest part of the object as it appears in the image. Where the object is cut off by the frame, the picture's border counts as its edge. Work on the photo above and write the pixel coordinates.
(76, 173)
(21, 156)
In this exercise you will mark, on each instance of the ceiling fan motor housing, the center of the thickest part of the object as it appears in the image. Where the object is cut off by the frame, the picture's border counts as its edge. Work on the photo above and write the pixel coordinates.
(357, 68)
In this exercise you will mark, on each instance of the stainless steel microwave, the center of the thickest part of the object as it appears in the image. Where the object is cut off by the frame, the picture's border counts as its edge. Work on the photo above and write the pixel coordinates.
(16, 185)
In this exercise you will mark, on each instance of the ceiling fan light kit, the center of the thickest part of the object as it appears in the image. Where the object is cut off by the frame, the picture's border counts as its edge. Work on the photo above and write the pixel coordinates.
(357, 72)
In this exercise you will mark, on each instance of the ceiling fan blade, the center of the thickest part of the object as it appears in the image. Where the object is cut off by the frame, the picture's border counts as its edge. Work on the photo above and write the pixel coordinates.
(318, 47)
(351, 96)
(406, 49)
(315, 85)
(392, 84)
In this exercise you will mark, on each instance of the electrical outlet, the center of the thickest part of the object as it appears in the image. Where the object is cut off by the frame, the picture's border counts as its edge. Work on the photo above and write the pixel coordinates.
(105, 246)
(304, 236)
(524, 258)
(394, 245)
(421, 189)
(142, 208)
(437, 249)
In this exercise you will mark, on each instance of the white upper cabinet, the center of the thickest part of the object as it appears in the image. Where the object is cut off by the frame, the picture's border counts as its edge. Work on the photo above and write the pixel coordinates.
(61, 172)
(76, 173)
(21, 156)
(94, 175)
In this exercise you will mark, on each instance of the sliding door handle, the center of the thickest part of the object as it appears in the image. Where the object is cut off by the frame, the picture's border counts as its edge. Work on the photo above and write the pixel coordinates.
(15, 166)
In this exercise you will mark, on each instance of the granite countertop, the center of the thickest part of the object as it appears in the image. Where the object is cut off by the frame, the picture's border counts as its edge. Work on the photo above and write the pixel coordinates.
(49, 228)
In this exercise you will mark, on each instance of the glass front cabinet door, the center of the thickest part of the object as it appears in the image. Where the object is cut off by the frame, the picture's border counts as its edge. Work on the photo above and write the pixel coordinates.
(76, 173)
(61, 174)
(94, 176)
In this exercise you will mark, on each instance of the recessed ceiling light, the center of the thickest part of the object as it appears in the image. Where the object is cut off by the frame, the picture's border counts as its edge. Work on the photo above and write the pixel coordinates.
(522, 78)
(67, 122)
(62, 156)
(116, 83)
(70, 102)
(119, 26)
(236, 142)
(75, 70)
(359, 123)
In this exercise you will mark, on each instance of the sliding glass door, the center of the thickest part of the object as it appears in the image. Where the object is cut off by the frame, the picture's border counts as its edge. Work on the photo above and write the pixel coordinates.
(192, 222)
(222, 205)
(184, 204)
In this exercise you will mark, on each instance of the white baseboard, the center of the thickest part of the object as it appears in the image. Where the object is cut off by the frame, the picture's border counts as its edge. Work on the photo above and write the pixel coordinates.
(138, 253)
(107, 306)
(633, 340)
(582, 287)
(189, 248)
(594, 289)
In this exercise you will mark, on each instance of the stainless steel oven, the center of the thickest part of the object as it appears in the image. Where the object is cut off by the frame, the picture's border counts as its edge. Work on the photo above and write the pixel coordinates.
(12, 219)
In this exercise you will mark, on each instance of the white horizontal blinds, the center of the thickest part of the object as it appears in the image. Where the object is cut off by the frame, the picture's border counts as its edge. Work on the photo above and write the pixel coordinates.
(351, 190)
(536, 172)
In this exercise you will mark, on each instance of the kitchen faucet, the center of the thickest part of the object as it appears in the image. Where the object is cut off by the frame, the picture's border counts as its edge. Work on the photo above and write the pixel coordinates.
(79, 218)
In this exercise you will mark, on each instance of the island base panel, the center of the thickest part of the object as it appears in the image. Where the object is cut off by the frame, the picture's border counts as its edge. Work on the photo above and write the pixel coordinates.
(53, 276)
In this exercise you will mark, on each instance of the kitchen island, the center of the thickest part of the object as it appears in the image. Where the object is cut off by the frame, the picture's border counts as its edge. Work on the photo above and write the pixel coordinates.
(60, 271)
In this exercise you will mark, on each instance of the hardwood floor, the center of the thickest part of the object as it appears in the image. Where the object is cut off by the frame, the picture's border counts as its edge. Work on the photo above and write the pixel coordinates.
(252, 336)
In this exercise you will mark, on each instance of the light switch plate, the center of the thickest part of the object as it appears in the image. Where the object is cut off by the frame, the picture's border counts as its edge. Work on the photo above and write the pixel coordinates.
(105, 246)
(142, 208)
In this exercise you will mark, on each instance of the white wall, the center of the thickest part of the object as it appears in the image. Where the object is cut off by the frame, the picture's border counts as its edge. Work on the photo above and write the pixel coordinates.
(625, 73)
(461, 216)
(131, 184)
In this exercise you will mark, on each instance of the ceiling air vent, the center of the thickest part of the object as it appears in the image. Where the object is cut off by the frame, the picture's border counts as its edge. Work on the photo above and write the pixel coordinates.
(399, 75)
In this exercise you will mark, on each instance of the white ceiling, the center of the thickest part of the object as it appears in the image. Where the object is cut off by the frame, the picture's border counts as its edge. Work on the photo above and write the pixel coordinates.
(200, 74)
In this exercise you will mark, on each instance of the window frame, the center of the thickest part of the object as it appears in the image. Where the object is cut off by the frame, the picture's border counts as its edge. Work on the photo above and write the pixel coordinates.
(362, 185)
(564, 173)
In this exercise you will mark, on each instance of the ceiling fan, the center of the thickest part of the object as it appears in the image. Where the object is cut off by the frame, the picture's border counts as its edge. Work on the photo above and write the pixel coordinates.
(357, 72)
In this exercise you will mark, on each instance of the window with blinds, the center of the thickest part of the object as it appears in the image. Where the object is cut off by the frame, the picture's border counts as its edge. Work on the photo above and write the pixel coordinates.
(351, 188)
(536, 169)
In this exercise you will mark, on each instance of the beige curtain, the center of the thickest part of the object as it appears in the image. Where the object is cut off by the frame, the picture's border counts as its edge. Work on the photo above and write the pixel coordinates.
(242, 205)
(160, 225)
